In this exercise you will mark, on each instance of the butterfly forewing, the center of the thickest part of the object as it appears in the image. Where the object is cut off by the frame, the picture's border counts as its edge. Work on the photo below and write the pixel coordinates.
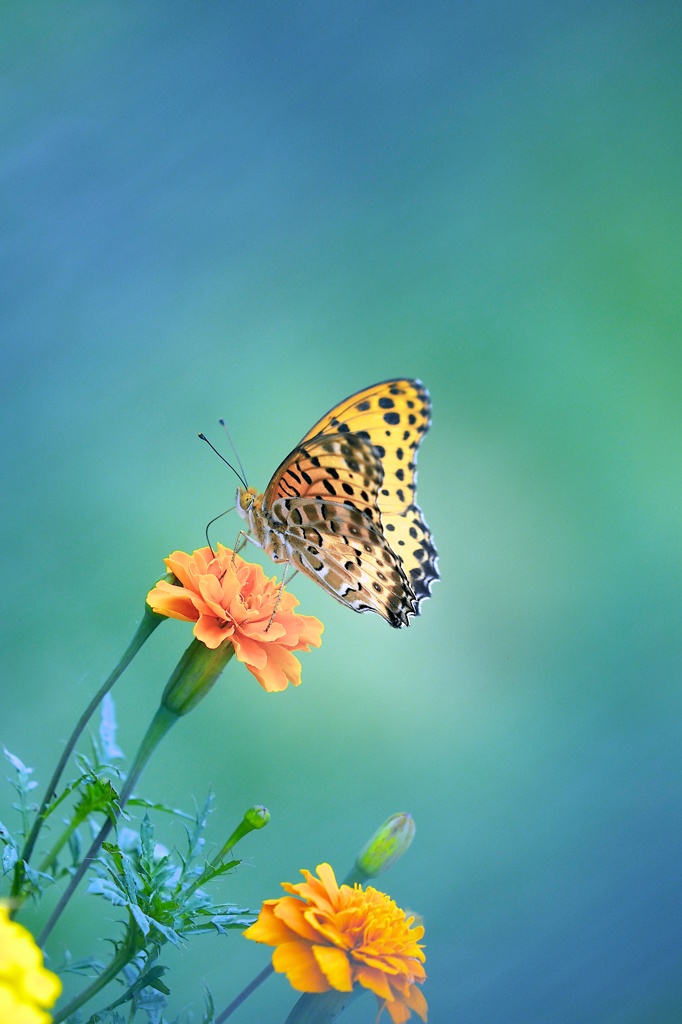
(342, 468)
(394, 416)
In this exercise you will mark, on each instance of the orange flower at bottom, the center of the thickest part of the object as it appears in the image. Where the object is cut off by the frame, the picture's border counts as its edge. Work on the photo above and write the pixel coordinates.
(228, 598)
(330, 936)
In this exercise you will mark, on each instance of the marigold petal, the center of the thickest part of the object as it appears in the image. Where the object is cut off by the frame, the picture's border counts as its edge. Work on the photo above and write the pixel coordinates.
(26, 986)
(293, 913)
(301, 631)
(416, 1001)
(297, 961)
(282, 662)
(169, 599)
(328, 878)
(12, 1009)
(269, 928)
(335, 966)
(398, 1012)
(406, 966)
(374, 980)
(279, 669)
(313, 890)
(328, 928)
(44, 986)
(250, 653)
(180, 564)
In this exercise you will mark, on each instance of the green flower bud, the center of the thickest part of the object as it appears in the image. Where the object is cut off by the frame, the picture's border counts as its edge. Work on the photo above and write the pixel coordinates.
(257, 816)
(385, 847)
(195, 675)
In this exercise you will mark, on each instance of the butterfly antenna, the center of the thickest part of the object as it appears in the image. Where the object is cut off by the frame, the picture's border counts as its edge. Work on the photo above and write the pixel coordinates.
(239, 475)
(223, 424)
(215, 519)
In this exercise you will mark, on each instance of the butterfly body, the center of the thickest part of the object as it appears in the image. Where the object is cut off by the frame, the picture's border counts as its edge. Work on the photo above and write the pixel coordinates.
(340, 508)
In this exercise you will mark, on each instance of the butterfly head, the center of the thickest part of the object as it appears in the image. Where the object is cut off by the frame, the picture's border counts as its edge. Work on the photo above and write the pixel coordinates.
(247, 499)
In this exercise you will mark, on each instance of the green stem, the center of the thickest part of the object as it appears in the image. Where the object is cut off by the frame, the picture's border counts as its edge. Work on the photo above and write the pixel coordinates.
(124, 956)
(47, 861)
(321, 1007)
(209, 872)
(149, 623)
(244, 994)
(160, 724)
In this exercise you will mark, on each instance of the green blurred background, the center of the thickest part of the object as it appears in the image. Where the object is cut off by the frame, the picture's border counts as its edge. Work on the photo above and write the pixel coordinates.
(251, 211)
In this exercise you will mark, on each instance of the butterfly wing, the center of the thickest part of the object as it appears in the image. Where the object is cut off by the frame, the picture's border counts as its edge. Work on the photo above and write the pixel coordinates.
(363, 455)
(394, 416)
(338, 467)
(343, 550)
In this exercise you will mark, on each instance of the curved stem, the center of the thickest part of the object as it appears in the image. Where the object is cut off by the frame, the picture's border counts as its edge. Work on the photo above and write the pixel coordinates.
(160, 724)
(149, 623)
(244, 994)
(124, 956)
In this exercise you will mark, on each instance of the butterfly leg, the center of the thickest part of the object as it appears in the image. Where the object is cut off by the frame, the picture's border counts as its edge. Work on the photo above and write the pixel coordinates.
(240, 542)
(279, 593)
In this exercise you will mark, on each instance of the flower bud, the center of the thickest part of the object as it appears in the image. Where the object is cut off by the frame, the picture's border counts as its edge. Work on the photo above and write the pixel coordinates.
(195, 675)
(257, 816)
(386, 846)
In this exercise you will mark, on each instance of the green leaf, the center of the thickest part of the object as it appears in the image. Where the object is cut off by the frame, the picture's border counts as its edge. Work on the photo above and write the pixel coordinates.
(209, 1012)
(150, 979)
(106, 1017)
(107, 730)
(75, 847)
(139, 801)
(141, 919)
(87, 966)
(9, 859)
(17, 764)
(98, 795)
(147, 842)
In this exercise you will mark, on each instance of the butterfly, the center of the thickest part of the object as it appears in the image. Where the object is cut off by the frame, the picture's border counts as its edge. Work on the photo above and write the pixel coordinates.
(341, 506)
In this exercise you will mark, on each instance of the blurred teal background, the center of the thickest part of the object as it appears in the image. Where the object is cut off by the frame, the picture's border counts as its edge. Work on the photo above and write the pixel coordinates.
(251, 211)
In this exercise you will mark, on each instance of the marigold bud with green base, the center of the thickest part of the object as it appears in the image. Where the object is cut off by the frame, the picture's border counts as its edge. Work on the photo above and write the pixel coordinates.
(386, 846)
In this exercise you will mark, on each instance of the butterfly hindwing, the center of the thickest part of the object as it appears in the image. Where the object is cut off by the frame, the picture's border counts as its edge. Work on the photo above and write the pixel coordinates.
(341, 549)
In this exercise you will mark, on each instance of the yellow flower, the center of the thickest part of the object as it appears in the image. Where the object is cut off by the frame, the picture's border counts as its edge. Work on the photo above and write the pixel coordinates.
(330, 936)
(26, 987)
(228, 598)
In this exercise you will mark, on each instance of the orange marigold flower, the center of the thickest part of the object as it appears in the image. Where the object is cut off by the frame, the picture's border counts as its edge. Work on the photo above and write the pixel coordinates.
(227, 597)
(330, 936)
